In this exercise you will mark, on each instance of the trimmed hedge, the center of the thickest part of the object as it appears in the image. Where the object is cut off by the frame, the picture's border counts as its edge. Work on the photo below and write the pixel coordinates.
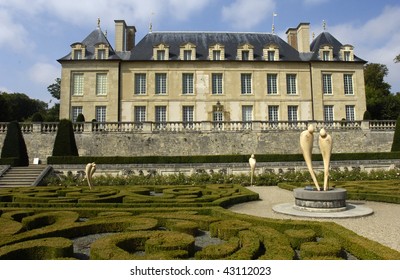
(215, 158)
(64, 143)
(14, 146)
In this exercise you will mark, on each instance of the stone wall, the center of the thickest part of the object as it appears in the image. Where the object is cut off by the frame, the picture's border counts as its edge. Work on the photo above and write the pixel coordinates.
(40, 145)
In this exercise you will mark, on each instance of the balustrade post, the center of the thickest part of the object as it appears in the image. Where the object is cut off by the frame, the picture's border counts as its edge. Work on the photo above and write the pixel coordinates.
(256, 126)
(147, 127)
(36, 127)
(206, 126)
(364, 125)
(87, 127)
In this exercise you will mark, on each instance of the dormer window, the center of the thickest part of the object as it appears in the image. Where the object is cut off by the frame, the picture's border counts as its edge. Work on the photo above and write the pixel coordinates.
(271, 52)
(245, 52)
(216, 52)
(188, 52)
(78, 51)
(101, 51)
(161, 52)
(326, 53)
(346, 53)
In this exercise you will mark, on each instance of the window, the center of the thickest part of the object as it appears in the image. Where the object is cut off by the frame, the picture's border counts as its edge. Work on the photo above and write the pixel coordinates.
(161, 83)
(160, 54)
(76, 110)
(328, 113)
(273, 114)
(272, 86)
(187, 55)
(217, 83)
(139, 114)
(347, 55)
(350, 114)
(326, 55)
(101, 54)
(291, 83)
(217, 55)
(101, 84)
(101, 113)
(77, 54)
(187, 116)
(140, 83)
(271, 55)
(327, 83)
(187, 83)
(77, 84)
(348, 84)
(247, 116)
(246, 83)
(245, 55)
(161, 116)
(218, 118)
(292, 114)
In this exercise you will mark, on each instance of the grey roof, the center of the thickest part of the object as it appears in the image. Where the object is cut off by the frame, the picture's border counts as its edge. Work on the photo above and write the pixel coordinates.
(203, 40)
(95, 37)
(325, 38)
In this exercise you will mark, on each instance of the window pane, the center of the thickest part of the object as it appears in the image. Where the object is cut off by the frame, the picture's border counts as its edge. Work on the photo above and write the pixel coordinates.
(292, 113)
(328, 113)
(246, 83)
(291, 83)
(140, 114)
(187, 55)
(140, 83)
(187, 83)
(348, 84)
(245, 55)
(271, 55)
(216, 83)
(160, 55)
(273, 113)
(76, 110)
(272, 87)
(187, 115)
(327, 83)
(101, 113)
(77, 84)
(350, 115)
(101, 54)
(325, 55)
(161, 114)
(161, 83)
(216, 55)
(101, 84)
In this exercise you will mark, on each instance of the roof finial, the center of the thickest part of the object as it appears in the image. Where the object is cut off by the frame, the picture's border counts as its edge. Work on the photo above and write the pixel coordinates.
(273, 22)
(105, 33)
(98, 22)
(324, 25)
(151, 23)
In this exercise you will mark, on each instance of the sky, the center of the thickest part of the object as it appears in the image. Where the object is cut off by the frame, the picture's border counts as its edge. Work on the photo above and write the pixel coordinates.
(35, 33)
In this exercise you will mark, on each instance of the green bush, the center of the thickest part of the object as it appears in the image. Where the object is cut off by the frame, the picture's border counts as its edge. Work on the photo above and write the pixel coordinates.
(64, 144)
(37, 117)
(396, 137)
(80, 118)
(14, 145)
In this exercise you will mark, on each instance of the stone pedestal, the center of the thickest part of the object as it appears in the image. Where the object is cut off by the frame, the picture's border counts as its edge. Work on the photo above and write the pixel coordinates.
(332, 200)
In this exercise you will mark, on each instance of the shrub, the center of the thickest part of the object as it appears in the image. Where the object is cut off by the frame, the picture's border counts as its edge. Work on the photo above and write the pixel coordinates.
(64, 144)
(396, 137)
(14, 145)
(80, 118)
(37, 117)
(367, 116)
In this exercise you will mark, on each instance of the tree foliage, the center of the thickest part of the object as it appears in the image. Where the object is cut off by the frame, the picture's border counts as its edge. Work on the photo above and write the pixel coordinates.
(380, 102)
(396, 137)
(14, 145)
(19, 107)
(65, 144)
(55, 89)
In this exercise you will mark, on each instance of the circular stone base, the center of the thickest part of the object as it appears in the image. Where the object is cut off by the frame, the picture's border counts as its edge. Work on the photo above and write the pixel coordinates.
(351, 211)
(331, 200)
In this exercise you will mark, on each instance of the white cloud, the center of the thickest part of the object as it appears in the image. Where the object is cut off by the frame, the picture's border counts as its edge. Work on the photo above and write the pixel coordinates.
(376, 41)
(12, 34)
(245, 14)
(44, 73)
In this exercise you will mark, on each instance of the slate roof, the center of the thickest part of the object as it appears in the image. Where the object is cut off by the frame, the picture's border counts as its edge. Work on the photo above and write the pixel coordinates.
(203, 40)
(325, 38)
(95, 37)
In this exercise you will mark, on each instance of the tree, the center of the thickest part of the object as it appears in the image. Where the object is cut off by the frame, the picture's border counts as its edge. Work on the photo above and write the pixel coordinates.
(396, 137)
(379, 99)
(397, 59)
(14, 145)
(19, 106)
(55, 89)
(65, 144)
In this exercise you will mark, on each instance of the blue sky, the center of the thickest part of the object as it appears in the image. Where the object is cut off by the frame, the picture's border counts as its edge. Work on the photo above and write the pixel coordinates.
(35, 33)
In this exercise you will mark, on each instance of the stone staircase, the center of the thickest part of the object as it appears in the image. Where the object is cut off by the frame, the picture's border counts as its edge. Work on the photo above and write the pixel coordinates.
(23, 176)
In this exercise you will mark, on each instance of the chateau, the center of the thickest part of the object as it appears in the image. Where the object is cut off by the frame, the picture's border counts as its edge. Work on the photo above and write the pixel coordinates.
(215, 77)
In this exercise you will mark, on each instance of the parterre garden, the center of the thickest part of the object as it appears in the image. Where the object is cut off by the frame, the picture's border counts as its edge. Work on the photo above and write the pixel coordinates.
(163, 222)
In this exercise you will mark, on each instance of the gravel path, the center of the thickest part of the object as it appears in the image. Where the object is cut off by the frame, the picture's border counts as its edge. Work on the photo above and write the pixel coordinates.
(382, 226)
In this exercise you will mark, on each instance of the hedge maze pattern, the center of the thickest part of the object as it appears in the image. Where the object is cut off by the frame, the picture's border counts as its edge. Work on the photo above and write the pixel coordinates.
(147, 222)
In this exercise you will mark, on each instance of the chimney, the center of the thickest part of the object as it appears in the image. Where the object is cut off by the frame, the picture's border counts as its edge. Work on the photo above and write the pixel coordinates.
(120, 30)
(130, 37)
(303, 37)
(292, 37)
(299, 38)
